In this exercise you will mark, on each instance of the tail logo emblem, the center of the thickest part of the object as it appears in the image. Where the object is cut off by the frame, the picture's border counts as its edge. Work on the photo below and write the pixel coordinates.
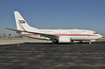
(22, 21)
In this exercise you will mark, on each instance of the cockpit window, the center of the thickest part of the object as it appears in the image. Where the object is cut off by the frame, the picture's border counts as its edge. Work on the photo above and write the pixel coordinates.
(94, 32)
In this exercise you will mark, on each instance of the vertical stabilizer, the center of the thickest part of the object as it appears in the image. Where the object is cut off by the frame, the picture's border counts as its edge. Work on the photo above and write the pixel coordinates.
(21, 23)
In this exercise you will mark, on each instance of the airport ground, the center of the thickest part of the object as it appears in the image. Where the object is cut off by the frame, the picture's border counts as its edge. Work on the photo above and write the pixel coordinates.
(6, 41)
(32, 54)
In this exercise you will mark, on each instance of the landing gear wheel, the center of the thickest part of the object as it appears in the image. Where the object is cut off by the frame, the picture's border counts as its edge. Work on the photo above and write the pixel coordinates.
(54, 42)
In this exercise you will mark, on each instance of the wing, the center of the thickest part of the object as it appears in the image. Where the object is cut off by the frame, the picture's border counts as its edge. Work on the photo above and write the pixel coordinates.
(41, 34)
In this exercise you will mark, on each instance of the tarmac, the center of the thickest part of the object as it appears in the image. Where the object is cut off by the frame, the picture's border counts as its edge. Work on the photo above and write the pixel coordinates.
(6, 42)
(44, 55)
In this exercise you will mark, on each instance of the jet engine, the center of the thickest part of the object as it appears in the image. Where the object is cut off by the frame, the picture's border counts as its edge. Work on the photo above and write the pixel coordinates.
(64, 39)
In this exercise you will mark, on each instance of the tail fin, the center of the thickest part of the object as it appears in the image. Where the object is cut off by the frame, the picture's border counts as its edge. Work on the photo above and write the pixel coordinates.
(21, 23)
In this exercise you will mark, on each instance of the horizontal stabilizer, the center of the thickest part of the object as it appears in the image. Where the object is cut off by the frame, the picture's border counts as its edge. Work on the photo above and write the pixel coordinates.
(14, 30)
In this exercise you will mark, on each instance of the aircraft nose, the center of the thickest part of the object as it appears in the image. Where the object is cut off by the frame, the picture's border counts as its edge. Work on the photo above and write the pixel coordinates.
(100, 36)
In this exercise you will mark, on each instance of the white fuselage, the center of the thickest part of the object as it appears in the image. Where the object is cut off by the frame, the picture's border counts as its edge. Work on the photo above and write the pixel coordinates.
(74, 34)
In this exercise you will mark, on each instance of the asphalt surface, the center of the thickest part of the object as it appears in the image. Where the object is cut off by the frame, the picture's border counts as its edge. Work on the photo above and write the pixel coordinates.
(53, 56)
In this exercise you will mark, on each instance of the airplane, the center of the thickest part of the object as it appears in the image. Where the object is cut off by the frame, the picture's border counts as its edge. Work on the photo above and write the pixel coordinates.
(54, 35)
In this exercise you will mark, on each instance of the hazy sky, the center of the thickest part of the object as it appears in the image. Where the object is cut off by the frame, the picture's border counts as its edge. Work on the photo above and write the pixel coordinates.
(54, 14)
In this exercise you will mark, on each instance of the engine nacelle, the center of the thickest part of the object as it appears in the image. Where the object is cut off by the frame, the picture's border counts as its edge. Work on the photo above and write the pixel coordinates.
(64, 39)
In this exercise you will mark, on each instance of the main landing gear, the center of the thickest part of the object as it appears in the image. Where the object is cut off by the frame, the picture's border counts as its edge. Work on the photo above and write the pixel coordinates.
(54, 41)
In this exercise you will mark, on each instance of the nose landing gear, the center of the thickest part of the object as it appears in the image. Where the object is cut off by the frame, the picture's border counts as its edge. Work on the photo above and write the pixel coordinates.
(90, 42)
